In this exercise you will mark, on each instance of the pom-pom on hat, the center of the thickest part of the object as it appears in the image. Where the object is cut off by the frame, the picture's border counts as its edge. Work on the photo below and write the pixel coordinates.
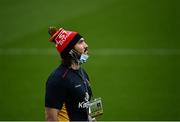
(64, 40)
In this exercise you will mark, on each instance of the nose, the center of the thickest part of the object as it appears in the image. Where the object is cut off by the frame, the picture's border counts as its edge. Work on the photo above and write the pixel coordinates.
(85, 45)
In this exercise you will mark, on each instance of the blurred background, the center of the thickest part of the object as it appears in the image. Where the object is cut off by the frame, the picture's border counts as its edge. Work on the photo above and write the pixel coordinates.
(134, 62)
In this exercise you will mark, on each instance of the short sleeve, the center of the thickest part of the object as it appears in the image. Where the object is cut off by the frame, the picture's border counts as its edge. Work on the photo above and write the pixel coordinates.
(55, 93)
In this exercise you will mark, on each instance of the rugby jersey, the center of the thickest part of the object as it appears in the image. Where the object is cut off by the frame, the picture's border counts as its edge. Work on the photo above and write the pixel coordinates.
(69, 91)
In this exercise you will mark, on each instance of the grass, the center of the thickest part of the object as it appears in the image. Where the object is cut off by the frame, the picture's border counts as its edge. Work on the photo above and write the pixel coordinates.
(133, 86)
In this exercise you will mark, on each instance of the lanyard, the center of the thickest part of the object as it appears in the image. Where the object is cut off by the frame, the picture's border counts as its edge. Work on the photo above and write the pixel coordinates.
(81, 74)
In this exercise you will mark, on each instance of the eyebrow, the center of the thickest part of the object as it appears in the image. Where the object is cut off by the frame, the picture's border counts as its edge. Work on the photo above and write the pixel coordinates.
(81, 40)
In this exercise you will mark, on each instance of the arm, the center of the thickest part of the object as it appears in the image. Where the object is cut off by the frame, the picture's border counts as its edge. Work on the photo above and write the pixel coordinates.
(51, 114)
(54, 98)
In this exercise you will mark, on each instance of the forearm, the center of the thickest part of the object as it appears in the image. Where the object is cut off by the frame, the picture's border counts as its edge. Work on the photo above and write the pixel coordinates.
(51, 118)
(51, 114)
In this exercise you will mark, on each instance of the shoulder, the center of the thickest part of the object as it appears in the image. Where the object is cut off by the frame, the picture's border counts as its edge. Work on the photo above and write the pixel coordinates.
(57, 76)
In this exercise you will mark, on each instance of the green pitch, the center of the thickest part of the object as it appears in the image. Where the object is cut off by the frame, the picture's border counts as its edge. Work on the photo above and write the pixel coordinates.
(134, 63)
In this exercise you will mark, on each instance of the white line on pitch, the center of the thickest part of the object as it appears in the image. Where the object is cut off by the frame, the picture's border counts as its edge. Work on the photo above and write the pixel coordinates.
(99, 52)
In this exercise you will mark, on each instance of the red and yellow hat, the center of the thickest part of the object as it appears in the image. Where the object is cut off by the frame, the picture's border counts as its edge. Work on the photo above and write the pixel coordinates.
(64, 40)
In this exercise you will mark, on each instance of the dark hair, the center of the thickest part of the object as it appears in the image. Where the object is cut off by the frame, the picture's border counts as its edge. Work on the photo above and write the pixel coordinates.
(66, 58)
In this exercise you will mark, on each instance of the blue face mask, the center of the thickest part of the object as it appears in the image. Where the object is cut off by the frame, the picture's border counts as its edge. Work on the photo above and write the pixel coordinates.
(83, 58)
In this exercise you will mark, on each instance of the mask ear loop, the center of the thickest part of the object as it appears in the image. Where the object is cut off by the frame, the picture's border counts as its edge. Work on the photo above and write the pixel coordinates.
(74, 54)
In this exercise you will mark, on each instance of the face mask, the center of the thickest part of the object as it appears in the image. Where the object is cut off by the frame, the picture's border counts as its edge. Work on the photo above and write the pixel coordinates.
(83, 58)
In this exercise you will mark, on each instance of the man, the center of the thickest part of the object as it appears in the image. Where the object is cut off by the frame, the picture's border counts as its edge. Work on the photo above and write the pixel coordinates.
(67, 88)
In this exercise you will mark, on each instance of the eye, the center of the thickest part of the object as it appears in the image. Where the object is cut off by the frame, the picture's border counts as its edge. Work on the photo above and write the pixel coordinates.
(80, 41)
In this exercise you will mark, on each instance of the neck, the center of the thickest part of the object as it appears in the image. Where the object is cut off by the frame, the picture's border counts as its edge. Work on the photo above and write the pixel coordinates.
(75, 66)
